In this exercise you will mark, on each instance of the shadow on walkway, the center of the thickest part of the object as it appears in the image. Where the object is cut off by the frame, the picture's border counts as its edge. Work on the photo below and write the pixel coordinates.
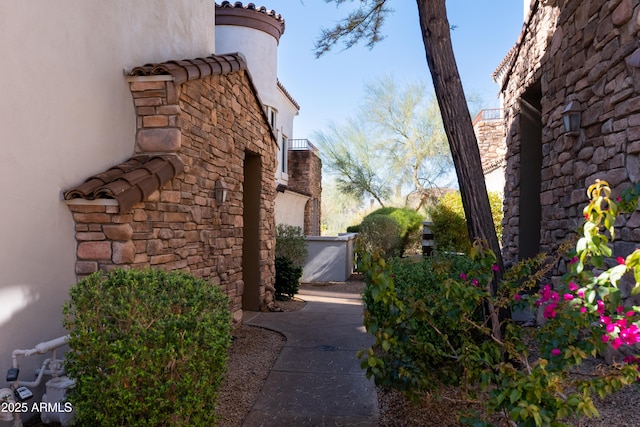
(317, 379)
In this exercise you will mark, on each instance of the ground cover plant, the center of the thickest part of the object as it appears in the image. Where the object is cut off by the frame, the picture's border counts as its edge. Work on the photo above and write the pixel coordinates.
(430, 324)
(149, 348)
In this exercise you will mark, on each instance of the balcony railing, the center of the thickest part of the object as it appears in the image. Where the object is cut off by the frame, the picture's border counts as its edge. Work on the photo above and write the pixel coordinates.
(489, 114)
(302, 145)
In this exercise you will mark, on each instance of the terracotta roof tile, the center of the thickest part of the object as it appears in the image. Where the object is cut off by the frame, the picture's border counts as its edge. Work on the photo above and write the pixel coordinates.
(130, 182)
(251, 6)
(193, 69)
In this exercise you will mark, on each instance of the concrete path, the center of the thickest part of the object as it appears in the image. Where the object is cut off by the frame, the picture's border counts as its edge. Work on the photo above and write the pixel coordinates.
(317, 380)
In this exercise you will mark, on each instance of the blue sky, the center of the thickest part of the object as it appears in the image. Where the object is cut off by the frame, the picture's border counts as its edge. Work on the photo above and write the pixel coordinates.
(329, 89)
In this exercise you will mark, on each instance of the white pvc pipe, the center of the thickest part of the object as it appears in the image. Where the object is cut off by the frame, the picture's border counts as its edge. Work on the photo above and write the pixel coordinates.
(43, 347)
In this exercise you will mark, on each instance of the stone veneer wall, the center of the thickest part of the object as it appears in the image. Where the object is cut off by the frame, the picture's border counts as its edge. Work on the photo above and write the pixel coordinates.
(212, 123)
(305, 177)
(584, 50)
(491, 142)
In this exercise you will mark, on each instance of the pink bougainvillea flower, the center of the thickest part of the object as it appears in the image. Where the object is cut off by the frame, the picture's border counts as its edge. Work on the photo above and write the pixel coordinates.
(556, 352)
(618, 199)
(517, 297)
(583, 309)
(573, 260)
(550, 310)
(573, 286)
(567, 297)
(495, 267)
(581, 293)
(620, 260)
(630, 313)
(620, 309)
(616, 343)
(463, 276)
(605, 338)
(475, 282)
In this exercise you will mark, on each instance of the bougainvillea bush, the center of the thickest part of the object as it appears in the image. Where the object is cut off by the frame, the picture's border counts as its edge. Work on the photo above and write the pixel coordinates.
(441, 332)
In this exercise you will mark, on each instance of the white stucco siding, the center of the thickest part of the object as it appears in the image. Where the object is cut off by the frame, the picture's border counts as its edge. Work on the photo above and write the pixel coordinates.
(260, 50)
(66, 113)
(495, 180)
(289, 208)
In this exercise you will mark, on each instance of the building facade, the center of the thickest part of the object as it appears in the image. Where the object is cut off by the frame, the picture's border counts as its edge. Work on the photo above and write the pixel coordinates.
(581, 55)
(119, 152)
(255, 32)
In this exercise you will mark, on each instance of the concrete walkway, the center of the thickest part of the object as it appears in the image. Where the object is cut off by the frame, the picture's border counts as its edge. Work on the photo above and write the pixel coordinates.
(317, 379)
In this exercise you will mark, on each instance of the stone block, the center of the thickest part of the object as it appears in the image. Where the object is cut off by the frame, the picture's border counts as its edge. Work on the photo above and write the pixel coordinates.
(100, 218)
(155, 247)
(124, 252)
(86, 267)
(93, 235)
(94, 250)
(158, 140)
(118, 231)
(155, 121)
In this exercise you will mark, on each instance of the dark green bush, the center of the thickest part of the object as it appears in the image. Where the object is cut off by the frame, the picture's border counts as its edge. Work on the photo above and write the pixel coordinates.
(149, 348)
(353, 229)
(287, 278)
(290, 243)
(291, 254)
(394, 240)
(415, 357)
(380, 234)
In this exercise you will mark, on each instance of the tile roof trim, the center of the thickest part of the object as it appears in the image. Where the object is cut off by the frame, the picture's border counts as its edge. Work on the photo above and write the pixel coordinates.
(287, 95)
(250, 16)
(193, 69)
(503, 71)
(130, 182)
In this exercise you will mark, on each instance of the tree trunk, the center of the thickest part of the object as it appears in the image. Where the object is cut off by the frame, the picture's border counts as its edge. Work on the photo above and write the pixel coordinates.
(458, 127)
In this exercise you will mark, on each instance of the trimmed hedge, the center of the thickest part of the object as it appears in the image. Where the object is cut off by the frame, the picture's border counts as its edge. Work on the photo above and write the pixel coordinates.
(149, 348)
(379, 234)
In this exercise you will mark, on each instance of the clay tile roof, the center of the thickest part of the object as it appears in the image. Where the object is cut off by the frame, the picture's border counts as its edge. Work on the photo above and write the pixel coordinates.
(287, 94)
(250, 6)
(193, 69)
(130, 182)
(250, 16)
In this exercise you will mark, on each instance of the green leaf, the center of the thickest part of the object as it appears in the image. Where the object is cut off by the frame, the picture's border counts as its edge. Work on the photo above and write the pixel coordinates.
(515, 395)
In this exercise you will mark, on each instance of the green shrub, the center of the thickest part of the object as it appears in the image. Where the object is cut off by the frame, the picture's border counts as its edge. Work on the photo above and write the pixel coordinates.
(353, 229)
(438, 325)
(450, 226)
(380, 234)
(404, 317)
(391, 240)
(149, 348)
(290, 243)
(291, 254)
(287, 278)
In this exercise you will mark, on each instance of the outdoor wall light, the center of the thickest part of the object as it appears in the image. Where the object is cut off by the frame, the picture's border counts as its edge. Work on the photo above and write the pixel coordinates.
(571, 118)
(220, 191)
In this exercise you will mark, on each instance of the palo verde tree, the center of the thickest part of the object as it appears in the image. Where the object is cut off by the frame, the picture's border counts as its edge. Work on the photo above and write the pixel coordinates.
(365, 24)
(395, 145)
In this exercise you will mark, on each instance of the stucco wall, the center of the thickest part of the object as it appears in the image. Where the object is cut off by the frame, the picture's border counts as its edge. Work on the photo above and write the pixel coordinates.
(260, 50)
(66, 112)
